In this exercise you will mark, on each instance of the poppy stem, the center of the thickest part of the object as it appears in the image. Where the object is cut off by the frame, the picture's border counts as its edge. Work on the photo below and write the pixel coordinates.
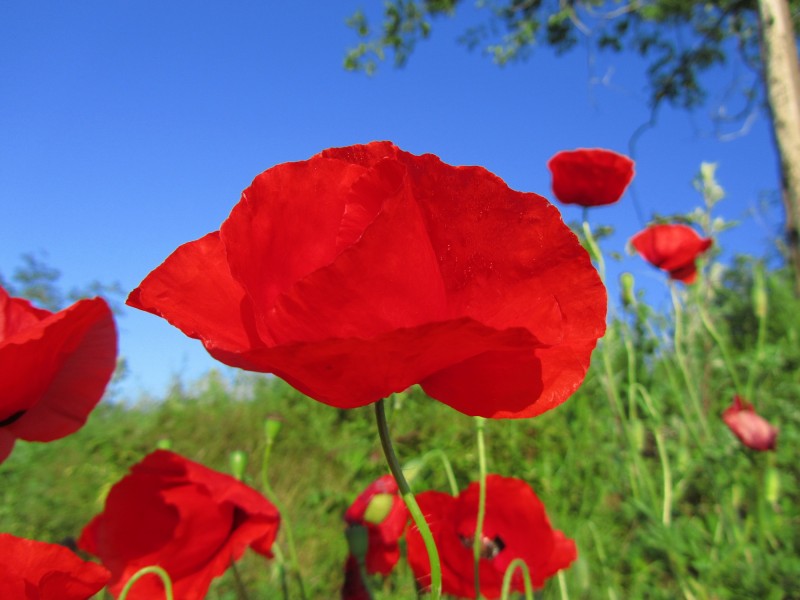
(448, 469)
(680, 356)
(515, 564)
(271, 428)
(594, 250)
(241, 591)
(477, 540)
(161, 573)
(411, 503)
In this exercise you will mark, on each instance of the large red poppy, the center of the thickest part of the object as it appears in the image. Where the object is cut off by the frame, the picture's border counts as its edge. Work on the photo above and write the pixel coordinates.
(383, 513)
(179, 515)
(31, 570)
(515, 526)
(590, 176)
(673, 248)
(54, 367)
(753, 430)
(366, 269)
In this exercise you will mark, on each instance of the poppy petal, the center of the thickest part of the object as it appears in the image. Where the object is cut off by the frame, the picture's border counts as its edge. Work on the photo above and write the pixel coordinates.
(59, 373)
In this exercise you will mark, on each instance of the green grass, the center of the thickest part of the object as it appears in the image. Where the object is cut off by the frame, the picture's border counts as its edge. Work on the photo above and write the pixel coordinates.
(598, 462)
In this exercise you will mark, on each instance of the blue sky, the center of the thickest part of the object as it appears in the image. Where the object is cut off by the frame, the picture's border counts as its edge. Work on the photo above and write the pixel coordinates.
(128, 128)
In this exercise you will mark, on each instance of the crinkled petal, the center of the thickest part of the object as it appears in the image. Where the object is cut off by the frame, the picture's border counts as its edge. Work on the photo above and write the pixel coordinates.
(194, 290)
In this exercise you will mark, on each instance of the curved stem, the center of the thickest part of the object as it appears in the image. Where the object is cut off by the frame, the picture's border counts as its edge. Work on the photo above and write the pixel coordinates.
(448, 468)
(410, 501)
(515, 564)
(477, 540)
(162, 574)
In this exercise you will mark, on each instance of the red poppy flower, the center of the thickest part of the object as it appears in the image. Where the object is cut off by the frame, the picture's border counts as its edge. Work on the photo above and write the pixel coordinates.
(366, 269)
(54, 367)
(673, 248)
(380, 509)
(179, 515)
(31, 570)
(590, 177)
(515, 526)
(752, 429)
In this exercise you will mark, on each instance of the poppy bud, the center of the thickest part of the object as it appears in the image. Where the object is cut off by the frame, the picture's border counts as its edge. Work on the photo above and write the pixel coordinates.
(238, 463)
(772, 485)
(164, 444)
(626, 282)
(271, 429)
(379, 508)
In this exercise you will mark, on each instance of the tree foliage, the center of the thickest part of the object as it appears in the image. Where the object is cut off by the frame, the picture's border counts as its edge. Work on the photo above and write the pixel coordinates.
(37, 281)
(679, 39)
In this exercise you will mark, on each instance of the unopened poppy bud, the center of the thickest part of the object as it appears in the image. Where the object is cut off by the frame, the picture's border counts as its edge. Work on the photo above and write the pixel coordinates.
(379, 508)
(772, 485)
(164, 444)
(271, 429)
(760, 305)
(238, 463)
(626, 282)
(358, 542)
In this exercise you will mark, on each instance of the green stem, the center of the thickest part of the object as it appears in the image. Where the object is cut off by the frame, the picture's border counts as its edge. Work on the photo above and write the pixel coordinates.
(562, 586)
(241, 591)
(411, 503)
(515, 564)
(681, 359)
(666, 507)
(145, 571)
(477, 540)
(761, 309)
(448, 468)
(723, 348)
(281, 561)
(286, 525)
(594, 250)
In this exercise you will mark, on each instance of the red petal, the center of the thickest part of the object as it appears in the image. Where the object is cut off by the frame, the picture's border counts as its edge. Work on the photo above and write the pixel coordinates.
(288, 224)
(405, 267)
(752, 429)
(673, 248)
(17, 316)
(192, 521)
(353, 372)
(49, 571)
(590, 177)
(58, 370)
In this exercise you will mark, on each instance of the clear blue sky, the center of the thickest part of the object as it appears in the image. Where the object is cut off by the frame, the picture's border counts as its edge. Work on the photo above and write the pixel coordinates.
(130, 127)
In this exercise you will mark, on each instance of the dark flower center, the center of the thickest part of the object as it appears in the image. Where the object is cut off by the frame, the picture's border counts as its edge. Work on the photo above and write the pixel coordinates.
(15, 417)
(489, 548)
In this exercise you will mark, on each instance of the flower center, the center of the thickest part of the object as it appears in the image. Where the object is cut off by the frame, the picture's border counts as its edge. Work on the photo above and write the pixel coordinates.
(490, 548)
